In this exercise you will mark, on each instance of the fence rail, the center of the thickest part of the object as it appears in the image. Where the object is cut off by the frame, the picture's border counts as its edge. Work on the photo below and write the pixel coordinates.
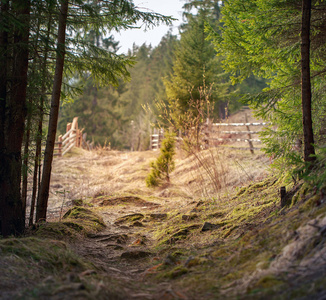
(73, 137)
(214, 137)
(239, 124)
(156, 138)
(213, 134)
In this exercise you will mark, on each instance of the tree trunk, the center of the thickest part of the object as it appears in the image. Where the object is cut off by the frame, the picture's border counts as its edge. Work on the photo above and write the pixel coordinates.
(13, 110)
(37, 160)
(309, 149)
(3, 98)
(26, 160)
(43, 196)
(34, 188)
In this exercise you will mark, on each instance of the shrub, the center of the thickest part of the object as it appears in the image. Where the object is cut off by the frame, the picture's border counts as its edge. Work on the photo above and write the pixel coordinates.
(164, 164)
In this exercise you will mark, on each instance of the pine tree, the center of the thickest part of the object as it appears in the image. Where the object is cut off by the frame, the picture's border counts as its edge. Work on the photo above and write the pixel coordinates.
(264, 38)
(195, 66)
(164, 164)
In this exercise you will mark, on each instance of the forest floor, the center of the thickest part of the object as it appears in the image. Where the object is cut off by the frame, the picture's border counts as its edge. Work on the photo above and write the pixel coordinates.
(203, 236)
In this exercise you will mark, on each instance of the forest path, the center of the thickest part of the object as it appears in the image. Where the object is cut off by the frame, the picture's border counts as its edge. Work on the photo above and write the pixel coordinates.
(113, 183)
(124, 249)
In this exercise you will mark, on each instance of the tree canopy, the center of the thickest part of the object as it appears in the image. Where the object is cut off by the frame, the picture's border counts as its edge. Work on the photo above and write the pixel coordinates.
(264, 37)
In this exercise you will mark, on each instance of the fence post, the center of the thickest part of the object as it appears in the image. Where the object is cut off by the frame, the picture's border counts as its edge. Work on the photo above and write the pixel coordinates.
(249, 136)
(155, 139)
(179, 138)
(74, 126)
(81, 138)
(60, 145)
(78, 133)
(68, 127)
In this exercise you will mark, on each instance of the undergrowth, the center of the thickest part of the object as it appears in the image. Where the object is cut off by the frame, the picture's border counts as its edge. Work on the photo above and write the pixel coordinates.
(235, 258)
(43, 266)
(76, 223)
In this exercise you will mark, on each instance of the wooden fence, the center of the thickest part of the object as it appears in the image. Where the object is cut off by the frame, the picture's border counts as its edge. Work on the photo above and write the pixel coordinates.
(156, 138)
(73, 137)
(240, 135)
(222, 134)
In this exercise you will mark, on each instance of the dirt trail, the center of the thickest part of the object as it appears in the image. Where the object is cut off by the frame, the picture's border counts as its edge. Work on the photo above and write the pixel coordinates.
(124, 251)
(114, 184)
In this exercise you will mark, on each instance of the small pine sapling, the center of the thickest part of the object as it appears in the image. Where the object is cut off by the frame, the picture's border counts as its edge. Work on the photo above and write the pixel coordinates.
(164, 164)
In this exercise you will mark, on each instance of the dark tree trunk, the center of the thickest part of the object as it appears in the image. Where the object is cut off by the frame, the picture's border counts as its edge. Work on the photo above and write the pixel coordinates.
(34, 188)
(26, 160)
(3, 98)
(43, 196)
(309, 149)
(12, 216)
(37, 159)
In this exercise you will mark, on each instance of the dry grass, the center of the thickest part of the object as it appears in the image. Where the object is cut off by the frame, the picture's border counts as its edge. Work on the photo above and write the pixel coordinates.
(210, 174)
(236, 259)
(216, 173)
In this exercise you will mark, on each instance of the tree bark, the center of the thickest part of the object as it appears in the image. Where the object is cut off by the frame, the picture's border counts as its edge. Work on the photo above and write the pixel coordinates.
(13, 111)
(3, 98)
(43, 196)
(309, 149)
(37, 160)
(26, 160)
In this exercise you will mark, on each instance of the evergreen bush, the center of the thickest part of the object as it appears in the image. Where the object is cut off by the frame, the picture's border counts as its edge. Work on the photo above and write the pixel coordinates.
(164, 164)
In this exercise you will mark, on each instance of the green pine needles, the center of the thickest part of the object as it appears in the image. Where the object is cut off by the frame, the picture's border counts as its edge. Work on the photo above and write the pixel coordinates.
(164, 164)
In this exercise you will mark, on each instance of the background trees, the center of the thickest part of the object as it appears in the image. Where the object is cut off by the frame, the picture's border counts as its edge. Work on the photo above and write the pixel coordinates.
(109, 120)
(28, 68)
(174, 73)
(195, 65)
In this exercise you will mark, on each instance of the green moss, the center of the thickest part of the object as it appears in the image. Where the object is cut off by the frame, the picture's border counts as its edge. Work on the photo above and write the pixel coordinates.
(53, 254)
(310, 204)
(265, 282)
(241, 191)
(254, 231)
(300, 194)
(197, 261)
(129, 218)
(57, 230)
(174, 273)
(80, 218)
(74, 226)
(245, 191)
(179, 234)
(77, 221)
(179, 253)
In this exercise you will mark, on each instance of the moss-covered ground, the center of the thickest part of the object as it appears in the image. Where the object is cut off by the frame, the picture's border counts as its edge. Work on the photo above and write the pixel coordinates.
(125, 241)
